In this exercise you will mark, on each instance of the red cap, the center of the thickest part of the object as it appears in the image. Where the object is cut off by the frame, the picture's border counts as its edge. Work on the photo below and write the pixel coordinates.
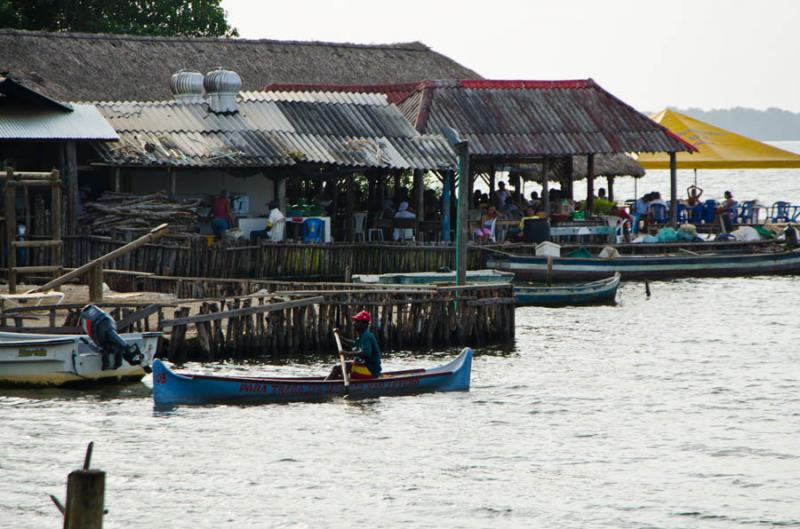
(362, 316)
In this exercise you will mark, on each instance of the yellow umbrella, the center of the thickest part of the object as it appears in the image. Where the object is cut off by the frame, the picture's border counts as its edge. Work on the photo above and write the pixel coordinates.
(718, 148)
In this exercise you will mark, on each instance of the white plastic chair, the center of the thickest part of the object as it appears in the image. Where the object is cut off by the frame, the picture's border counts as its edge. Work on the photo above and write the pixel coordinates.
(360, 221)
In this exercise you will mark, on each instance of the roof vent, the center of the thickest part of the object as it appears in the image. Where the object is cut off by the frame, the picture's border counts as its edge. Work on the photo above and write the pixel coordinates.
(187, 86)
(222, 87)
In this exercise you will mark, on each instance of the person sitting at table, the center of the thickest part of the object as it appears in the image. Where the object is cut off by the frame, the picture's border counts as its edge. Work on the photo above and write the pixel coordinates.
(403, 234)
(640, 212)
(511, 211)
(727, 212)
(486, 223)
(617, 211)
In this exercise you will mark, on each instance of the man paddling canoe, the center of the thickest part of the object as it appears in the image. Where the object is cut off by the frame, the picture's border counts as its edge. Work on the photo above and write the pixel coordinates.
(365, 350)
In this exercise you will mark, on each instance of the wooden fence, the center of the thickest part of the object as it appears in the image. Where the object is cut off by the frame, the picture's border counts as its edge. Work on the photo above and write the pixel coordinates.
(295, 320)
(194, 257)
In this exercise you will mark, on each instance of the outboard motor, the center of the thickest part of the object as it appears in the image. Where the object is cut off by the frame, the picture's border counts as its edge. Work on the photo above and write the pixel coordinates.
(102, 330)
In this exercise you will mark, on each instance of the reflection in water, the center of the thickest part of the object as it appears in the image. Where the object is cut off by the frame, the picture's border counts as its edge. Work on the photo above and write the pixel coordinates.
(673, 411)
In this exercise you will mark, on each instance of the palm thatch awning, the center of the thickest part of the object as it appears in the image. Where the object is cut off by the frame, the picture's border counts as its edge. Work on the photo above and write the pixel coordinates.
(604, 165)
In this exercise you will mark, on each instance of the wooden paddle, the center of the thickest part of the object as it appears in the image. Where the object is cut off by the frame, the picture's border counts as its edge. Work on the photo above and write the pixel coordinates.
(345, 374)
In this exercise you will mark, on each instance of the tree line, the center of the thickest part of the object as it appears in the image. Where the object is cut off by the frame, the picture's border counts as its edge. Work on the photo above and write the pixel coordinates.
(185, 18)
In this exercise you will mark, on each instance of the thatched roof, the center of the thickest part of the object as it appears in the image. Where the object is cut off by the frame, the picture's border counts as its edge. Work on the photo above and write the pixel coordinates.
(604, 165)
(98, 67)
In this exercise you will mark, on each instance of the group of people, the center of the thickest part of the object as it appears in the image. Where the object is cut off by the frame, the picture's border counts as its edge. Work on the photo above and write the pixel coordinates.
(223, 219)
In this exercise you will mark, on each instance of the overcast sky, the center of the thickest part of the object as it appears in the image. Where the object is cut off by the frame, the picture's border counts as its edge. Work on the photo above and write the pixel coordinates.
(650, 53)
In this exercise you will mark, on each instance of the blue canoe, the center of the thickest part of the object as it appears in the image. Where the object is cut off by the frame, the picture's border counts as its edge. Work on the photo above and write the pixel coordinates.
(170, 388)
(596, 292)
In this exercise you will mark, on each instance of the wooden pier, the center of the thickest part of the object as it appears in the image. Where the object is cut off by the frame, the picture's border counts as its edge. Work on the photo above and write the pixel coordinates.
(296, 318)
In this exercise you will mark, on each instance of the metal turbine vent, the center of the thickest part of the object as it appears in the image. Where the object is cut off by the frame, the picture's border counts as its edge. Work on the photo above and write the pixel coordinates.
(222, 87)
(187, 86)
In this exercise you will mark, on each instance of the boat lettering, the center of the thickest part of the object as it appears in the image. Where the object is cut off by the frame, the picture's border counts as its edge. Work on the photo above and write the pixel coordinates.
(394, 384)
(27, 352)
(161, 378)
(253, 387)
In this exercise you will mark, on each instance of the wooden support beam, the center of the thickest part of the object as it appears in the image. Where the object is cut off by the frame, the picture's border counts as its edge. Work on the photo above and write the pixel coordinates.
(71, 177)
(673, 190)
(546, 187)
(85, 499)
(95, 281)
(36, 244)
(117, 179)
(155, 233)
(173, 184)
(11, 230)
(351, 198)
(141, 314)
(419, 195)
(590, 182)
(610, 180)
(280, 192)
(242, 312)
(447, 191)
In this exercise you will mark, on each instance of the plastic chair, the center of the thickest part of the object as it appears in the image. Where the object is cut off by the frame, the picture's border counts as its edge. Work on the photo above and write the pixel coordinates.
(709, 211)
(780, 212)
(744, 212)
(683, 214)
(312, 230)
(359, 221)
(659, 213)
(696, 214)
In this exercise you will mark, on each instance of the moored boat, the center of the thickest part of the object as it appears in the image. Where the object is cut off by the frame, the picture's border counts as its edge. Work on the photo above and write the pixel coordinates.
(688, 264)
(595, 292)
(427, 278)
(28, 359)
(170, 388)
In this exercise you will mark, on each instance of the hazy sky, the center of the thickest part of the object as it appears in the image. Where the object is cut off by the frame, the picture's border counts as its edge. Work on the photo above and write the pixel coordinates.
(650, 53)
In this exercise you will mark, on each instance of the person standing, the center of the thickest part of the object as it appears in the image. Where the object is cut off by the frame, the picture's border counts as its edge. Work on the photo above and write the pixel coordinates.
(500, 196)
(221, 214)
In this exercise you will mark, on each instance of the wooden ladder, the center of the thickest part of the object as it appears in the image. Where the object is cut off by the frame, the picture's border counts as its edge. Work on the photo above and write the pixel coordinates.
(24, 180)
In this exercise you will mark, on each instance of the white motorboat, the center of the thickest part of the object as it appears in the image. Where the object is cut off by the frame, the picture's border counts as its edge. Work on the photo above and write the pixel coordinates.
(52, 360)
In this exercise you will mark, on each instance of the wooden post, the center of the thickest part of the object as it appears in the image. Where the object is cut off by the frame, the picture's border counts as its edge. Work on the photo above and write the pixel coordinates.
(11, 230)
(446, 191)
(56, 254)
(610, 180)
(590, 183)
(173, 184)
(71, 177)
(419, 195)
(86, 490)
(673, 190)
(117, 180)
(96, 283)
(351, 197)
(280, 193)
(546, 187)
(398, 182)
(492, 179)
(462, 236)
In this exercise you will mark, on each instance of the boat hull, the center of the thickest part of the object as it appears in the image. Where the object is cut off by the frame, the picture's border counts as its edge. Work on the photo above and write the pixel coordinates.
(532, 268)
(597, 292)
(47, 360)
(170, 388)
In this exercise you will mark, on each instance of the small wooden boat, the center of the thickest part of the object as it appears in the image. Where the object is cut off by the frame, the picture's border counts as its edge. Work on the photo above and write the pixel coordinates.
(428, 278)
(170, 388)
(689, 264)
(601, 291)
(47, 360)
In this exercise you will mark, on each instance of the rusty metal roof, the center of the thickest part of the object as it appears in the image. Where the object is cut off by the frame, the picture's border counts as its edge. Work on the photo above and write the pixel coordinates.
(523, 118)
(273, 129)
(536, 118)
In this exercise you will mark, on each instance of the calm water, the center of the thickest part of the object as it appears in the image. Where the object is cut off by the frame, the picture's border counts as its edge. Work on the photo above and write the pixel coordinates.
(677, 411)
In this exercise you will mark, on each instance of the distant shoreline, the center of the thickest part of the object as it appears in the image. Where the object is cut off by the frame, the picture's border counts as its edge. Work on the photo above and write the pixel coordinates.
(772, 124)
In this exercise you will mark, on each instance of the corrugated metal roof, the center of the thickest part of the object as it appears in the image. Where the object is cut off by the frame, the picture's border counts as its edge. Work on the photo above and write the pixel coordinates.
(273, 129)
(522, 118)
(84, 122)
(536, 118)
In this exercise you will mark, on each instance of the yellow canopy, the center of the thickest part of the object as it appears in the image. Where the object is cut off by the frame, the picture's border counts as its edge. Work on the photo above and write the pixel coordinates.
(718, 148)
